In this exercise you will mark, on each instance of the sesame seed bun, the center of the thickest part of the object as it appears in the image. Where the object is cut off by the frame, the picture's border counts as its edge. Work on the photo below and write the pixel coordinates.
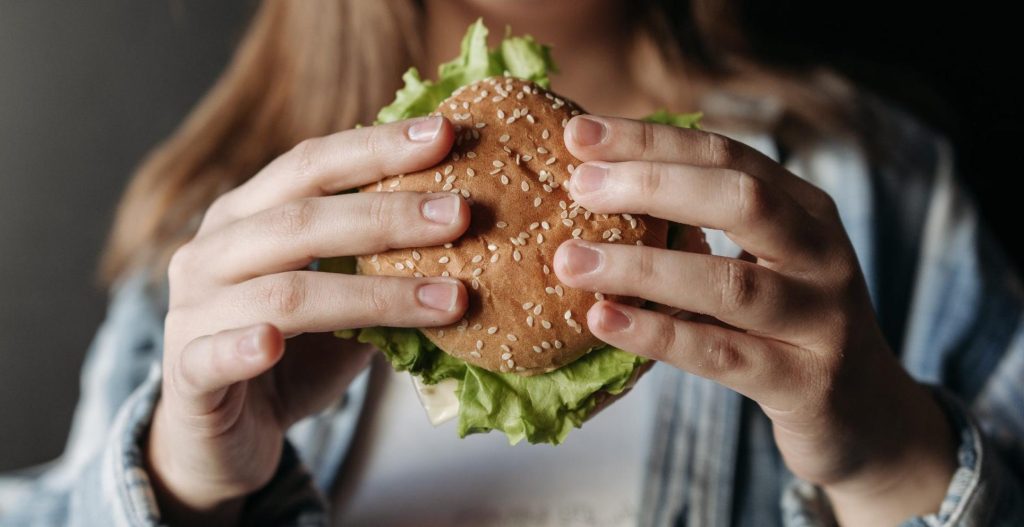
(510, 163)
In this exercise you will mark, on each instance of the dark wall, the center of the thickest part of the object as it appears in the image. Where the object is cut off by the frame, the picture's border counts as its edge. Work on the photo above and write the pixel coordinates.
(85, 89)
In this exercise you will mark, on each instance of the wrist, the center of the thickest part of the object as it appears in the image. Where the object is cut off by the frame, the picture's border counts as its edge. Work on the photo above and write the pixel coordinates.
(185, 499)
(911, 479)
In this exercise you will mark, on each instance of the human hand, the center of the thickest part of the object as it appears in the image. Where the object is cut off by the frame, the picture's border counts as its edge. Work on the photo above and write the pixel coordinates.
(796, 331)
(231, 384)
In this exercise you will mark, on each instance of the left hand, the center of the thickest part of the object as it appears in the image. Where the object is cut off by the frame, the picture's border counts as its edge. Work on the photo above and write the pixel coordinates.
(799, 335)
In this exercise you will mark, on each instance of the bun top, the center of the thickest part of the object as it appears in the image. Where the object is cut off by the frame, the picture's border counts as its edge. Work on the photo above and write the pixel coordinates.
(510, 163)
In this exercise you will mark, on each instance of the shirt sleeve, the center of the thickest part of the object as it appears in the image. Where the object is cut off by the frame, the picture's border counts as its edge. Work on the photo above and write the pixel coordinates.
(101, 480)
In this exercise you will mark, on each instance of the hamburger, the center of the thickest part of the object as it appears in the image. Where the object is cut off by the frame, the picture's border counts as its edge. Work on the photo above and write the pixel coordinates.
(521, 360)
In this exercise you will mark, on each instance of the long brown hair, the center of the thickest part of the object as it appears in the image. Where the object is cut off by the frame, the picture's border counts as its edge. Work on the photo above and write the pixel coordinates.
(306, 69)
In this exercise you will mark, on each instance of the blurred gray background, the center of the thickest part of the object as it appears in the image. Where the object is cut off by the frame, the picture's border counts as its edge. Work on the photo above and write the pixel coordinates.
(86, 88)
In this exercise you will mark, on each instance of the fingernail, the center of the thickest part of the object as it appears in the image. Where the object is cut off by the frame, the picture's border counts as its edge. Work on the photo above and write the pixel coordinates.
(424, 130)
(439, 295)
(587, 132)
(580, 259)
(249, 346)
(588, 178)
(442, 210)
(614, 320)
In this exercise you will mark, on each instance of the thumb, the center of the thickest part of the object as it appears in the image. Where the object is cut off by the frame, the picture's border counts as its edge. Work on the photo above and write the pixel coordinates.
(210, 364)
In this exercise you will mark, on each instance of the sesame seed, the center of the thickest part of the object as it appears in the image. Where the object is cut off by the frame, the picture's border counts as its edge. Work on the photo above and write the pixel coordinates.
(599, 296)
(492, 330)
(546, 324)
(416, 255)
(506, 356)
(504, 138)
(558, 344)
(446, 274)
(536, 202)
(542, 150)
(534, 225)
(562, 205)
(477, 272)
(550, 161)
(549, 290)
(479, 344)
(394, 184)
(540, 238)
(516, 256)
(545, 224)
(525, 186)
(570, 168)
(524, 235)
(527, 157)
(567, 222)
(480, 125)
(504, 347)
(559, 290)
(446, 187)
(537, 349)
(465, 193)
(501, 114)
(530, 118)
(373, 258)
(497, 163)
(475, 354)
(470, 172)
(504, 179)
(545, 134)
(448, 245)
(501, 225)
(547, 270)
(408, 263)
(627, 216)
(437, 177)
(546, 345)
(511, 363)
(547, 188)
(477, 259)
(418, 274)
(491, 247)
(494, 257)
(537, 309)
(529, 320)
(527, 305)
(606, 234)
(475, 284)
(400, 266)
(568, 315)
(512, 337)
(443, 260)
(471, 154)
(448, 170)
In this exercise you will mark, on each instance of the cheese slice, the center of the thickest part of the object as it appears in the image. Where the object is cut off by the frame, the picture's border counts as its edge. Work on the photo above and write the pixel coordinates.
(439, 400)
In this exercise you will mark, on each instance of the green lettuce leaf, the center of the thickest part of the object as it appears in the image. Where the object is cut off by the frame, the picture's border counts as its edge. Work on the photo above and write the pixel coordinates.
(541, 408)
(521, 57)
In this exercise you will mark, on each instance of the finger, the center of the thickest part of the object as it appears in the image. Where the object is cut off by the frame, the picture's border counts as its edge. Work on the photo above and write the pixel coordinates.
(758, 216)
(313, 302)
(593, 138)
(208, 365)
(753, 366)
(328, 165)
(739, 293)
(288, 237)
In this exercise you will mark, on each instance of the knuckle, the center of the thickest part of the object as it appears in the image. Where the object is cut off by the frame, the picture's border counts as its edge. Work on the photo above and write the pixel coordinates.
(663, 339)
(294, 218)
(381, 213)
(378, 298)
(721, 151)
(284, 296)
(646, 267)
(651, 178)
(722, 356)
(738, 286)
(180, 263)
(305, 157)
(648, 139)
(754, 202)
(373, 141)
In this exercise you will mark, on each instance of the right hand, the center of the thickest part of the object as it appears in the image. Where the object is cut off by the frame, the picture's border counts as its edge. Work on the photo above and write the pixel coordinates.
(231, 384)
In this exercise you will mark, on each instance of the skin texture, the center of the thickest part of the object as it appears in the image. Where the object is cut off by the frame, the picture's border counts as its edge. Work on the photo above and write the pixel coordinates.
(789, 326)
(231, 386)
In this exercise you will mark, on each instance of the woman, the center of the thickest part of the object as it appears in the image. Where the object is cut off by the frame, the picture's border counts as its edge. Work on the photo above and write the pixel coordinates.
(865, 370)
